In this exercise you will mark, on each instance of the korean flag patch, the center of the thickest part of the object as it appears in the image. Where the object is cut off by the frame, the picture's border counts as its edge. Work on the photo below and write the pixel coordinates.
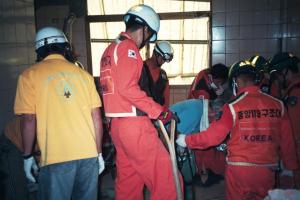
(131, 54)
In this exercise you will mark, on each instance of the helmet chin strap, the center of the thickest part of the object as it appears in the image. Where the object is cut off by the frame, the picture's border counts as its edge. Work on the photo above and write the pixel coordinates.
(156, 59)
(144, 40)
(284, 84)
(234, 87)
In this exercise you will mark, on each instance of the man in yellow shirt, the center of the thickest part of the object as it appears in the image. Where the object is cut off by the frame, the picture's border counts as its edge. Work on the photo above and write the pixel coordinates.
(60, 107)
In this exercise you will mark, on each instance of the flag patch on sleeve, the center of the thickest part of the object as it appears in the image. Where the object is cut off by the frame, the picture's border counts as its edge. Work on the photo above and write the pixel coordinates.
(131, 54)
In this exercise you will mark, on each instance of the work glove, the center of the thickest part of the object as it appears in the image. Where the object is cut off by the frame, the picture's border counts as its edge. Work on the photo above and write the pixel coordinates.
(181, 140)
(167, 115)
(29, 165)
(101, 163)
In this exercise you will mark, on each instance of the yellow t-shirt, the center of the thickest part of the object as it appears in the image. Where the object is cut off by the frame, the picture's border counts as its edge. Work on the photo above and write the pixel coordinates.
(62, 96)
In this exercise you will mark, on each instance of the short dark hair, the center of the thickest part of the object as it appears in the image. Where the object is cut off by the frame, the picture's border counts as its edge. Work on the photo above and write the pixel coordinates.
(63, 49)
(219, 71)
(132, 25)
(247, 77)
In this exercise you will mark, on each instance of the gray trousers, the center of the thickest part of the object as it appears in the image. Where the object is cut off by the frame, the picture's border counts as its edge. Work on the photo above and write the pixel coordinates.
(74, 179)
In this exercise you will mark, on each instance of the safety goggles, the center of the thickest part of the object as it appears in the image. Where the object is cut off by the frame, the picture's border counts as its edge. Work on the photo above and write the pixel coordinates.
(167, 57)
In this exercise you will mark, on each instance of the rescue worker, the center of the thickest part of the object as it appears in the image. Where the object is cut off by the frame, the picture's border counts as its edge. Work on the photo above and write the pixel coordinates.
(260, 64)
(260, 129)
(141, 157)
(284, 68)
(263, 77)
(60, 107)
(154, 80)
(209, 83)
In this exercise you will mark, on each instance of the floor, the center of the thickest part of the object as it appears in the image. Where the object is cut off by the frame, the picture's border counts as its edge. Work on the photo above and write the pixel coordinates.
(214, 192)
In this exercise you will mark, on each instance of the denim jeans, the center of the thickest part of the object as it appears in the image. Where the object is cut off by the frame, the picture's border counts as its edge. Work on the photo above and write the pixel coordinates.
(74, 179)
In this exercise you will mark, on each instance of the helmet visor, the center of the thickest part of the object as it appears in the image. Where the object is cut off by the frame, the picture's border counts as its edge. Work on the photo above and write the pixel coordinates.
(167, 57)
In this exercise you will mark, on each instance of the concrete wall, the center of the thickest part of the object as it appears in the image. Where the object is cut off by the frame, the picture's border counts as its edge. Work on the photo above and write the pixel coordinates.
(16, 50)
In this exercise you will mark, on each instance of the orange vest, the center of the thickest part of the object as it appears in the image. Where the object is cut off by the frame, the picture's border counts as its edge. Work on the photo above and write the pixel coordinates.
(120, 71)
(257, 118)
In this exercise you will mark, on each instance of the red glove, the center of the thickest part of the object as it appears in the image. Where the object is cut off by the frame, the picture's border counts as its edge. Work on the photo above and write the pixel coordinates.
(167, 115)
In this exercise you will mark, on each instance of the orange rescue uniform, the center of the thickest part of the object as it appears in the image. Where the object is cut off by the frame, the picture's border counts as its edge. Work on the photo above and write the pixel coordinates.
(141, 157)
(209, 158)
(292, 97)
(260, 132)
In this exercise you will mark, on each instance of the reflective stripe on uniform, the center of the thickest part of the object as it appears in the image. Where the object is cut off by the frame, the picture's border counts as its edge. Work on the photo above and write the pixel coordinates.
(122, 114)
(250, 164)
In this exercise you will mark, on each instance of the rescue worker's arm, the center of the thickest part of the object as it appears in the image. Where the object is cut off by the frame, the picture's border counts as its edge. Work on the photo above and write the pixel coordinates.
(128, 75)
(25, 105)
(95, 104)
(287, 144)
(214, 135)
(167, 95)
(28, 131)
(97, 120)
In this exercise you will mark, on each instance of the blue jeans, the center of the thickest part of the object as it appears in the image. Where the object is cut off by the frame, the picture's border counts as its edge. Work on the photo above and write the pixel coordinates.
(74, 179)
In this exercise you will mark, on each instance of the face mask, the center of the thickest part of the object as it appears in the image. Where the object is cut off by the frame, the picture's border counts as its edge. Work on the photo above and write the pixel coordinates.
(211, 82)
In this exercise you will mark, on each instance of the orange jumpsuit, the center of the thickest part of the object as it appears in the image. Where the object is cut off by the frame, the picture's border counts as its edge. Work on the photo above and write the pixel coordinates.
(141, 157)
(260, 128)
(210, 158)
(292, 97)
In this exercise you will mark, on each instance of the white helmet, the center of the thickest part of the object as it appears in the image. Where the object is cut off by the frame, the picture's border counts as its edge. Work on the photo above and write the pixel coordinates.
(165, 49)
(49, 35)
(145, 15)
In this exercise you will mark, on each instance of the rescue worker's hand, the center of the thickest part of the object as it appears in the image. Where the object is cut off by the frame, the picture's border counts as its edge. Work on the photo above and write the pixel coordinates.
(101, 163)
(30, 164)
(181, 140)
(167, 115)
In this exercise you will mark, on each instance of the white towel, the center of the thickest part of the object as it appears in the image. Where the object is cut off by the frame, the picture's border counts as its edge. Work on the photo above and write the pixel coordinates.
(204, 123)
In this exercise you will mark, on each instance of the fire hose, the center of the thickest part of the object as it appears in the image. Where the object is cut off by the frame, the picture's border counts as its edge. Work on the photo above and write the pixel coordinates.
(171, 147)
